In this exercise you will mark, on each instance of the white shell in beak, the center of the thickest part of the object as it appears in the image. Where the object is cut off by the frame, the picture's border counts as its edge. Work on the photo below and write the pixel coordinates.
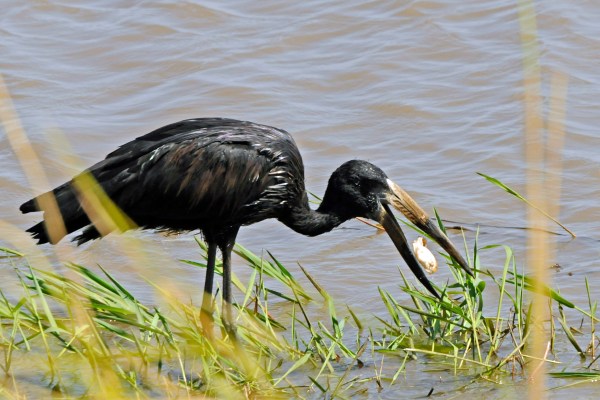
(424, 256)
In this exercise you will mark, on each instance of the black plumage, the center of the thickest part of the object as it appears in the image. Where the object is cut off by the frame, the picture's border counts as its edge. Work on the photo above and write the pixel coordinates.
(217, 174)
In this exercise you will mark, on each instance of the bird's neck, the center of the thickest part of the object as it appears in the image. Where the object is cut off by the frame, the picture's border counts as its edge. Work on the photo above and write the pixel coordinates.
(309, 222)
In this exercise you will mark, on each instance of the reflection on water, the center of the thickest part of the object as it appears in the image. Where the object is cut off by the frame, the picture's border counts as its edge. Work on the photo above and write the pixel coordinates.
(429, 91)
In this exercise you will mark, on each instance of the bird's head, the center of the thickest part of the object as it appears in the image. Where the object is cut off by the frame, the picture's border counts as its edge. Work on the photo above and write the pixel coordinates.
(360, 189)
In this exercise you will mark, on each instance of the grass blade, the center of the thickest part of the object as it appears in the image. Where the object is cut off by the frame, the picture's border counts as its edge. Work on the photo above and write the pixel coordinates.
(520, 197)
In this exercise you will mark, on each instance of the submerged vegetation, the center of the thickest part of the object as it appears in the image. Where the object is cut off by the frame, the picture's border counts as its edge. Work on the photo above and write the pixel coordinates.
(82, 333)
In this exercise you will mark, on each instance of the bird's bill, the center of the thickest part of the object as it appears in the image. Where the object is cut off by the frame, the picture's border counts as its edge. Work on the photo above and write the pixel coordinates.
(401, 201)
(389, 222)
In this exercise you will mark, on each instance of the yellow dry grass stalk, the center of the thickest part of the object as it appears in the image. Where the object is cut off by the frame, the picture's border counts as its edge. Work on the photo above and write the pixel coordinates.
(33, 169)
(542, 188)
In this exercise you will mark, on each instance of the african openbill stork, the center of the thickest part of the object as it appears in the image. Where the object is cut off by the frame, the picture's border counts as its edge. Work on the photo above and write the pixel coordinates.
(217, 174)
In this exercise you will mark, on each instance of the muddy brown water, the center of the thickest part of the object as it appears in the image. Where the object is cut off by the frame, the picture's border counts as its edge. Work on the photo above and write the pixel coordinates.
(430, 91)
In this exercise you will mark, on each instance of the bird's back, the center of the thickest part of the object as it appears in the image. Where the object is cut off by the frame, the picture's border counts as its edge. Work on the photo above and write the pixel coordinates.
(206, 173)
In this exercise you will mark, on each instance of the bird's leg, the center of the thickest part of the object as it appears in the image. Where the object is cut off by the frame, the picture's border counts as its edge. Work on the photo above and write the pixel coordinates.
(210, 268)
(227, 316)
(226, 248)
(206, 314)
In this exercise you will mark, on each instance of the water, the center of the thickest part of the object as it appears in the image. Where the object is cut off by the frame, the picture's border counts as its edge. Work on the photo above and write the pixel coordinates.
(429, 91)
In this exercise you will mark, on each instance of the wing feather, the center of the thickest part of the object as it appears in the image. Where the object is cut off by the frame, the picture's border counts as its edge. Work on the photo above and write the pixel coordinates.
(194, 174)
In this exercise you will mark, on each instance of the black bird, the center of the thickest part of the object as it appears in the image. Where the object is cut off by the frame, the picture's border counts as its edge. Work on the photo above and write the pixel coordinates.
(217, 174)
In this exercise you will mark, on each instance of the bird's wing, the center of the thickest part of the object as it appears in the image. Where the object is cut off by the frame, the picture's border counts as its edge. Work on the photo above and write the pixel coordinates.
(188, 174)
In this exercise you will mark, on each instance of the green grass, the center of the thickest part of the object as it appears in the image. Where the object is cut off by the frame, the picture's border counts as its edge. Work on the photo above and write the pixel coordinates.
(88, 335)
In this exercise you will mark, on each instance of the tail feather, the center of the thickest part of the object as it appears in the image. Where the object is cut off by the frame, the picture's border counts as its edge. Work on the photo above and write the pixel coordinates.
(74, 218)
(63, 194)
(29, 206)
(38, 232)
(89, 233)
